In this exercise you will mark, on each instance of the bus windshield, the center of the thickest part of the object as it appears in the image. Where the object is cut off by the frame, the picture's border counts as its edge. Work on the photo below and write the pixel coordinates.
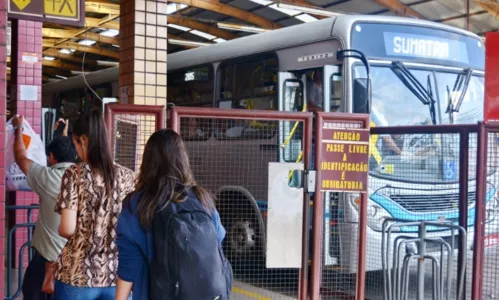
(418, 157)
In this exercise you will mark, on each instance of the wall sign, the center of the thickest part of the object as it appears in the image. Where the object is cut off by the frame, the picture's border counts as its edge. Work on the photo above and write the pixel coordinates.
(344, 163)
(69, 12)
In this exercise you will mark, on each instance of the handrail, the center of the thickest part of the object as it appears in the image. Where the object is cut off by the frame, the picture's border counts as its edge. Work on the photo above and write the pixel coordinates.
(30, 226)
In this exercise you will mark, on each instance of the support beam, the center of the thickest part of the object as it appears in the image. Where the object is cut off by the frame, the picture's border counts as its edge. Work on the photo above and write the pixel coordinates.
(491, 8)
(102, 8)
(68, 57)
(400, 8)
(61, 65)
(187, 22)
(106, 23)
(81, 48)
(230, 11)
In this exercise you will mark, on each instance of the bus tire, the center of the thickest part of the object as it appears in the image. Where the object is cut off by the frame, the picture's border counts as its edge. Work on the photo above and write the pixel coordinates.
(244, 243)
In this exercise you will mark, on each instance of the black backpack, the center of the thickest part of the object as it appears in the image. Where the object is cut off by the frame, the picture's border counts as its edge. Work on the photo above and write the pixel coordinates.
(188, 262)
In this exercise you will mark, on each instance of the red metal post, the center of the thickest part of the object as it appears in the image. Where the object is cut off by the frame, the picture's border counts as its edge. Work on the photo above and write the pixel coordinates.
(479, 243)
(463, 200)
(174, 120)
(317, 216)
(307, 154)
(361, 255)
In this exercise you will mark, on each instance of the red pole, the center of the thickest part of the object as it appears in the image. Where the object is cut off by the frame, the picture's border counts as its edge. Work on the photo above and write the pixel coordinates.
(361, 259)
(481, 182)
(317, 217)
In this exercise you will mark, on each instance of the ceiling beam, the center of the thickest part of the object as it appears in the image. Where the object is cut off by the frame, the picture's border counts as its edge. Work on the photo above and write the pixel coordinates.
(68, 34)
(103, 23)
(188, 22)
(102, 8)
(73, 58)
(61, 65)
(230, 11)
(55, 71)
(491, 8)
(400, 8)
(81, 48)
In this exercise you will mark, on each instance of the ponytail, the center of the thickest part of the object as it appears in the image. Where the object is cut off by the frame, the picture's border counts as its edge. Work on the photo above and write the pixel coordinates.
(99, 156)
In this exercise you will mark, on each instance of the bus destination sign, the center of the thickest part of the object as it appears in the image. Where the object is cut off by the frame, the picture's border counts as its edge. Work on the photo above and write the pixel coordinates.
(415, 45)
(344, 163)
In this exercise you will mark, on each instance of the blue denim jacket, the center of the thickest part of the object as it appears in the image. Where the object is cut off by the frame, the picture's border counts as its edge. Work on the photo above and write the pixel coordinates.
(136, 246)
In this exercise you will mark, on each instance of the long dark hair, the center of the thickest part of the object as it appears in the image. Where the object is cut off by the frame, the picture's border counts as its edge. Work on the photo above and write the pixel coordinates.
(99, 156)
(165, 175)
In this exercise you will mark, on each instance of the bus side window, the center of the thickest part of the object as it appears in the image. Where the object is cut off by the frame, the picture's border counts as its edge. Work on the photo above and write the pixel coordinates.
(336, 92)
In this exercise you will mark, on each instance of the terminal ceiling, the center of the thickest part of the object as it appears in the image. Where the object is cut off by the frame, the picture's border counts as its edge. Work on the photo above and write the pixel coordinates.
(196, 23)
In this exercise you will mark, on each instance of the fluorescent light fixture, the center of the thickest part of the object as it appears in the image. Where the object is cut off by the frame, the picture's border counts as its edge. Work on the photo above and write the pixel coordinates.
(220, 40)
(107, 63)
(286, 11)
(65, 51)
(187, 43)
(110, 32)
(310, 10)
(306, 18)
(48, 57)
(86, 42)
(61, 77)
(79, 72)
(203, 34)
(182, 28)
(237, 27)
(262, 2)
(174, 7)
(117, 46)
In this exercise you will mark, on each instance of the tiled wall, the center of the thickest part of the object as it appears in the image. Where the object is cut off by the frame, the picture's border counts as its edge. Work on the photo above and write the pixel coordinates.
(3, 102)
(143, 44)
(27, 43)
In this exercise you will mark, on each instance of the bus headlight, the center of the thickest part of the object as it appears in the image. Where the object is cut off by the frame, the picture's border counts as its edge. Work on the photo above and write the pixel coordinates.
(376, 214)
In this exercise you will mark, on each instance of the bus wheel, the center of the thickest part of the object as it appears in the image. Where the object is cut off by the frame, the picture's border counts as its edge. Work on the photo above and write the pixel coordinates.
(242, 238)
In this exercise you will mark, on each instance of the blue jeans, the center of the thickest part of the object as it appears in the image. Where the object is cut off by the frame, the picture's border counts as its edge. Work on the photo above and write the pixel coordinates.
(68, 292)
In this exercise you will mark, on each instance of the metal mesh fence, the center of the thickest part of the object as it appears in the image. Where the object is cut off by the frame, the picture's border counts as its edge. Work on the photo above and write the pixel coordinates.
(422, 187)
(129, 128)
(230, 158)
(490, 289)
(130, 137)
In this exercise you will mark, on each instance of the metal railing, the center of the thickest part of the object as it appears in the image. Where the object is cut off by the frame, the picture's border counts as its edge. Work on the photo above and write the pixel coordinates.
(30, 226)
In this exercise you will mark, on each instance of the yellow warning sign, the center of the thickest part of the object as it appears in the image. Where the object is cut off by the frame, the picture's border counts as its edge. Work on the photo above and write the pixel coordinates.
(62, 8)
(21, 4)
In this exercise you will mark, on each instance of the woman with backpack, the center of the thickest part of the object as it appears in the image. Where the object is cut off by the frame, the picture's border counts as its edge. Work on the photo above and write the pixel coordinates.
(169, 233)
(90, 202)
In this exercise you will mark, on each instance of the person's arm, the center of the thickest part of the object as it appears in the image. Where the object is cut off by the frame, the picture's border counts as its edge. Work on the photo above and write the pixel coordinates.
(20, 153)
(123, 289)
(130, 256)
(218, 226)
(390, 143)
(67, 203)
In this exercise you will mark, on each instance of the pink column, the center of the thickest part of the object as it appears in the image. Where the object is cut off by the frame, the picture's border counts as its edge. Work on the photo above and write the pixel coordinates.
(3, 101)
(26, 73)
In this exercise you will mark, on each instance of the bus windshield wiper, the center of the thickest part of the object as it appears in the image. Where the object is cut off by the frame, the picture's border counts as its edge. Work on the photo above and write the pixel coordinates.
(425, 95)
(460, 87)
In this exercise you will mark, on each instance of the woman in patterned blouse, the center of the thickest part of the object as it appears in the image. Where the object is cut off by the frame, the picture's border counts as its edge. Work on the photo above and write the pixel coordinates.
(90, 203)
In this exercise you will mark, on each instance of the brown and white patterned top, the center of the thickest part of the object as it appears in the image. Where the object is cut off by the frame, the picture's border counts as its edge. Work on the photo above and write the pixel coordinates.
(90, 257)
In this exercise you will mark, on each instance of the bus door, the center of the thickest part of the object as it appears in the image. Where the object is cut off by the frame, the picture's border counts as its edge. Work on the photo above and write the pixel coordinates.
(291, 93)
(332, 92)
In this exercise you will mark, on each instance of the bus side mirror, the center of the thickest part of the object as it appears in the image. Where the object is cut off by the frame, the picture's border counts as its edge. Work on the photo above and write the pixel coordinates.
(362, 96)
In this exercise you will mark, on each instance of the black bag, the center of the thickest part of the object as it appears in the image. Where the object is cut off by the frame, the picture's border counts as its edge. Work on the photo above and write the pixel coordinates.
(188, 261)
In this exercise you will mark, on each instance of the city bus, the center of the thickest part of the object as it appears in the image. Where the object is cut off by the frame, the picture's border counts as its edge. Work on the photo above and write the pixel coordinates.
(421, 72)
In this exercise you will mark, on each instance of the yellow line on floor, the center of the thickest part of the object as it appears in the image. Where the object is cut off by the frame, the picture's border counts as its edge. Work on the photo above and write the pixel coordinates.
(249, 294)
